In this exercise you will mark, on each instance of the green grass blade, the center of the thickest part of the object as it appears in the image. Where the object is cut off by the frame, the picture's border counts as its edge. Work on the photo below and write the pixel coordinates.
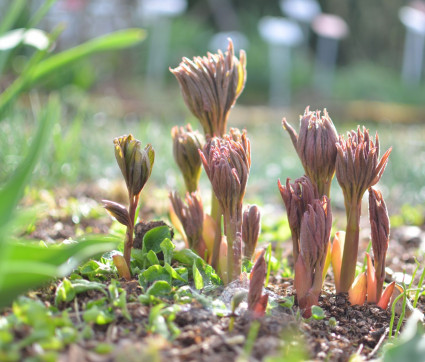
(419, 290)
(117, 40)
(12, 14)
(38, 68)
(11, 193)
(29, 266)
(41, 13)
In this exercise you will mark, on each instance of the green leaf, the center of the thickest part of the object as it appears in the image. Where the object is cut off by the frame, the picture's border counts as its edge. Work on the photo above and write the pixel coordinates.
(65, 292)
(173, 273)
(121, 303)
(98, 315)
(157, 323)
(94, 269)
(287, 302)
(317, 312)
(152, 274)
(160, 288)
(30, 265)
(83, 285)
(197, 277)
(154, 237)
(152, 258)
(167, 248)
(186, 256)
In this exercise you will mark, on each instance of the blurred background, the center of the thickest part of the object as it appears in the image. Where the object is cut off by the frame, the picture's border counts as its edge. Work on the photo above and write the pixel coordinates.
(361, 60)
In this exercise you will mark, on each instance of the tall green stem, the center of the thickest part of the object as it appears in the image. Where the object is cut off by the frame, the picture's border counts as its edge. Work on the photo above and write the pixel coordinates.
(351, 246)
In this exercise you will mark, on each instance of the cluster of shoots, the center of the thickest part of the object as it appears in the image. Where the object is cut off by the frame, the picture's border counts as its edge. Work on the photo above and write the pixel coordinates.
(210, 86)
(136, 165)
(228, 234)
(356, 163)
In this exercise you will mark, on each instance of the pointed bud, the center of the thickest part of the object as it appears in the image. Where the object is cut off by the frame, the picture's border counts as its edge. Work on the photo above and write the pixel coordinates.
(386, 296)
(258, 275)
(316, 148)
(186, 144)
(380, 233)
(251, 224)
(210, 86)
(357, 164)
(118, 211)
(296, 197)
(303, 280)
(314, 240)
(135, 164)
(191, 216)
(227, 164)
(372, 296)
(336, 257)
(358, 290)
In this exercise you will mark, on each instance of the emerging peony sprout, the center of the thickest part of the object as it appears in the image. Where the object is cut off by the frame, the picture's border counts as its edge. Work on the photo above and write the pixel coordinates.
(186, 144)
(380, 233)
(136, 167)
(296, 197)
(210, 86)
(250, 230)
(227, 164)
(257, 301)
(316, 148)
(336, 256)
(191, 217)
(358, 290)
(357, 168)
(314, 240)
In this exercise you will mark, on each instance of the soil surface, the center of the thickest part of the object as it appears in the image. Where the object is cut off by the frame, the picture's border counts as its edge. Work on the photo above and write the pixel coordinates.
(345, 330)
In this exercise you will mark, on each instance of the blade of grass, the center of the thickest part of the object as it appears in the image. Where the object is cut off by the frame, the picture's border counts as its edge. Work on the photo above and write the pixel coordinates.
(421, 281)
(403, 310)
(39, 69)
(29, 266)
(269, 264)
(393, 315)
(11, 193)
(113, 41)
(414, 273)
(12, 14)
(40, 13)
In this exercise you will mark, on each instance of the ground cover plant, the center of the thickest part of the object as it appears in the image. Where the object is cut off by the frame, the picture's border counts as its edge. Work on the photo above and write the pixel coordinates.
(207, 285)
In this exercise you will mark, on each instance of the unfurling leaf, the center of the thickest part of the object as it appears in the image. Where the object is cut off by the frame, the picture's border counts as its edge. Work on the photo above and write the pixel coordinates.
(122, 267)
(357, 292)
(336, 257)
(386, 296)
